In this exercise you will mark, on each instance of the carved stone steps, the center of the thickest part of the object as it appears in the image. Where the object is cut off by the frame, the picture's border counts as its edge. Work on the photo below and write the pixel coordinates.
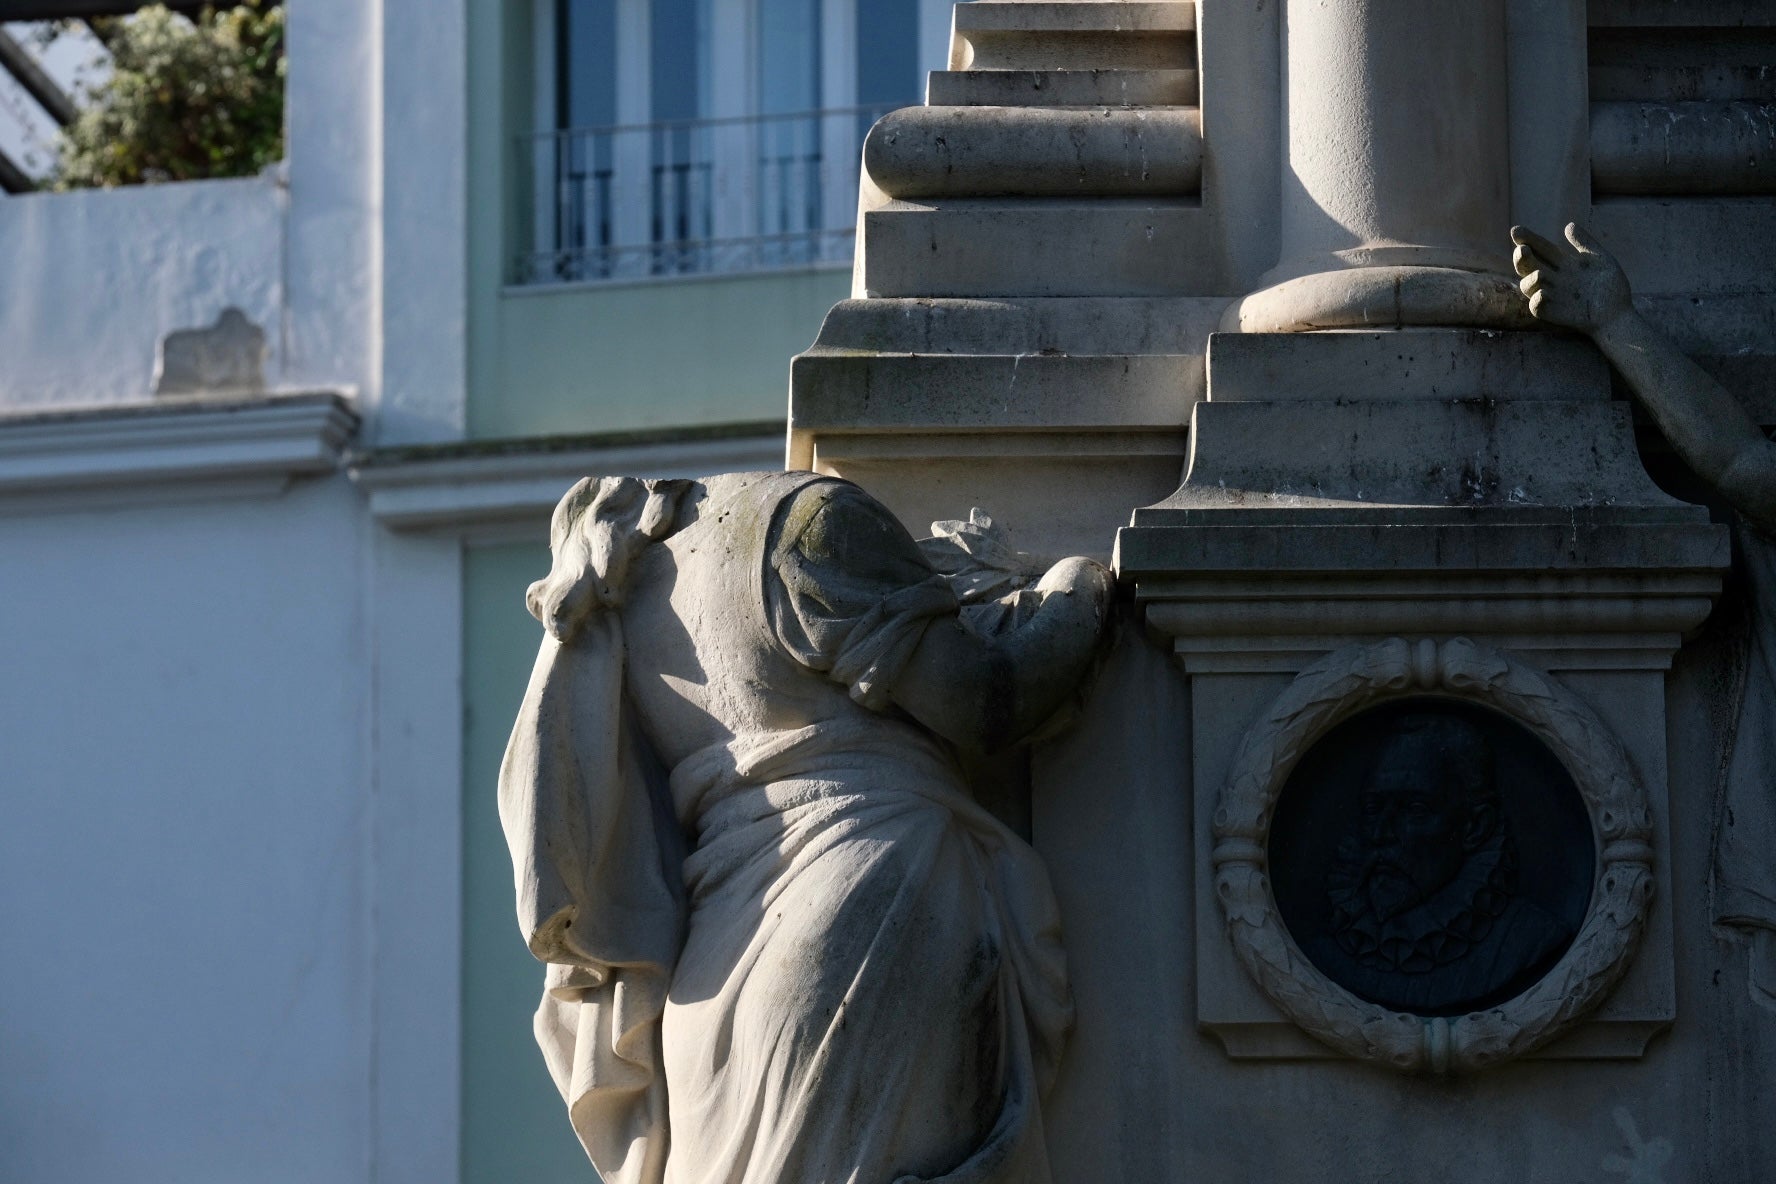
(1062, 88)
(1070, 54)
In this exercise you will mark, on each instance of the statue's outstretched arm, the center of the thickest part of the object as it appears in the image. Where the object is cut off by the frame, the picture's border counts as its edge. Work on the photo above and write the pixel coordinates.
(986, 693)
(1578, 285)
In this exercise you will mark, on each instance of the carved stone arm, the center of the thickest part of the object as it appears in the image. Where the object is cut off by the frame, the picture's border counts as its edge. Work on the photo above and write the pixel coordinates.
(1580, 286)
(986, 693)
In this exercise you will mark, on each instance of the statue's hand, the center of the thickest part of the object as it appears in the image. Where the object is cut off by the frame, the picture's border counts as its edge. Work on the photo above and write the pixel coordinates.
(1085, 578)
(1580, 286)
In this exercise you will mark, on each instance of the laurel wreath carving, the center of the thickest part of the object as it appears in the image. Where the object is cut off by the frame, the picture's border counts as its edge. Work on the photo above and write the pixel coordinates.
(1359, 677)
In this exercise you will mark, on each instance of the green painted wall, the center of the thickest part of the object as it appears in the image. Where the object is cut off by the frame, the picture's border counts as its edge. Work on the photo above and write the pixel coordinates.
(568, 360)
(500, 86)
(586, 359)
(514, 1125)
(647, 355)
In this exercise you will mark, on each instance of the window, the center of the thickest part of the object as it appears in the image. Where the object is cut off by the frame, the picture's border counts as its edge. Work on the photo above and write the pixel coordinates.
(707, 136)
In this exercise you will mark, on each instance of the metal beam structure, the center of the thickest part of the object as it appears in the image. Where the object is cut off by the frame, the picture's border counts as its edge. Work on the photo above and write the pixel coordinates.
(12, 178)
(15, 60)
(49, 10)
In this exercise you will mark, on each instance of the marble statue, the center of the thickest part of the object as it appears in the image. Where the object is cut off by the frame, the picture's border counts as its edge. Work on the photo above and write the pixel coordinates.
(1577, 285)
(784, 944)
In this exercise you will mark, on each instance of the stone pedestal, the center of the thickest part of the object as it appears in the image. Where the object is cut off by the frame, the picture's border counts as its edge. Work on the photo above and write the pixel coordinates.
(1442, 516)
(1025, 334)
(1391, 494)
(1355, 490)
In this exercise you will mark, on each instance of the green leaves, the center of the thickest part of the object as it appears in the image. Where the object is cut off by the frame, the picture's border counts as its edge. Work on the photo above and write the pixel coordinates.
(187, 99)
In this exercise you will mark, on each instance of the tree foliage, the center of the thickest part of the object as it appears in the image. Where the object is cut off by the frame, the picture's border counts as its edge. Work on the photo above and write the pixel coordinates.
(187, 98)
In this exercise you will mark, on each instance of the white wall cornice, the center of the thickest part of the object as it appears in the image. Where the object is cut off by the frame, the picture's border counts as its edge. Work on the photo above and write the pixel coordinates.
(181, 448)
(507, 491)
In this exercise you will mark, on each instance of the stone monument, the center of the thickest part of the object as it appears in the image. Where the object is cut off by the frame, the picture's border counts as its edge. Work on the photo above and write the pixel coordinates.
(1418, 818)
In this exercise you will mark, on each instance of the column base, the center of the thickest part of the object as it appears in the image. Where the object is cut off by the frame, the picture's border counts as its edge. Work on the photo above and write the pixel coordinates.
(1382, 297)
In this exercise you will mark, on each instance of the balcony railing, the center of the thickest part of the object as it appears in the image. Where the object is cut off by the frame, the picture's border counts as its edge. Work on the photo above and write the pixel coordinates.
(695, 197)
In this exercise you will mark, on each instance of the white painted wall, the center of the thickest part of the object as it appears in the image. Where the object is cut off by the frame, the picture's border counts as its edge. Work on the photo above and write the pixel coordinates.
(422, 392)
(184, 843)
(332, 272)
(352, 255)
(230, 727)
(92, 280)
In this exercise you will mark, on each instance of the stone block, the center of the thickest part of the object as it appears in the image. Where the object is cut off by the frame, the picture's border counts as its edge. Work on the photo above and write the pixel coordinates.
(1050, 413)
(1683, 148)
(1167, 547)
(1023, 325)
(1415, 452)
(1062, 88)
(975, 365)
(979, 247)
(1721, 14)
(1404, 364)
(1056, 493)
(994, 35)
(1228, 695)
(1695, 247)
(940, 391)
(1679, 63)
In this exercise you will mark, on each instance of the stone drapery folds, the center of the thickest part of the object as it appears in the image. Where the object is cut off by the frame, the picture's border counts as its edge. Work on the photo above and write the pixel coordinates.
(595, 854)
(1744, 868)
(784, 943)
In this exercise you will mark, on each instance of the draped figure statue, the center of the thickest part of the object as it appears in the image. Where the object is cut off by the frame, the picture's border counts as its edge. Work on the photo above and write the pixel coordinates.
(1576, 284)
(784, 945)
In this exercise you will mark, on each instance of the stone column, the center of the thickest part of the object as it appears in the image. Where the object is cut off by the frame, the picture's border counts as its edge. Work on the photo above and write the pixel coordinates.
(1396, 169)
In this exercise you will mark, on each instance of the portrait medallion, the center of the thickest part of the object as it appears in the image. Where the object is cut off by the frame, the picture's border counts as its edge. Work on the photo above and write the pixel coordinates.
(1431, 856)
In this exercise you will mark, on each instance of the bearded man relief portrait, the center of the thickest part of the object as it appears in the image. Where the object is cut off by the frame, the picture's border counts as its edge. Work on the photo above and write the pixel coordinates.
(1432, 857)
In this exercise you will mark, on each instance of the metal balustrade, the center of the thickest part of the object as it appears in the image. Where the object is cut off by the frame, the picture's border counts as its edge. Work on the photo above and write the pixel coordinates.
(695, 197)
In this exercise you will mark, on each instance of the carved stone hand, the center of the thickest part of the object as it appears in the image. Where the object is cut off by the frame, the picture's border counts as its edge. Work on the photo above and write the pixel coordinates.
(1582, 287)
(986, 693)
(1578, 286)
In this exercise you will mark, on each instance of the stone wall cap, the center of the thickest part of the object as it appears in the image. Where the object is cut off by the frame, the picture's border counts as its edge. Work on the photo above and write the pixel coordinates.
(259, 441)
(1587, 542)
(1154, 16)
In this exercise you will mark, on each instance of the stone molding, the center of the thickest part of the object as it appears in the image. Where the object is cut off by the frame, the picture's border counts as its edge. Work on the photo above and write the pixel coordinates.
(1360, 677)
(507, 490)
(173, 447)
(1069, 55)
(951, 152)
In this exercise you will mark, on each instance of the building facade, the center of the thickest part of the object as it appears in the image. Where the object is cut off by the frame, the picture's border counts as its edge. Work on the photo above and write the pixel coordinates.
(261, 646)
(262, 643)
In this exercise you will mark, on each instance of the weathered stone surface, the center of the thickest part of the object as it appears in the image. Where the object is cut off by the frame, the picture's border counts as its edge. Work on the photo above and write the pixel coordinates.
(854, 971)
(226, 358)
(1043, 33)
(1035, 152)
(1399, 484)
(1060, 408)
(1685, 148)
(1062, 88)
(992, 247)
(1402, 196)
(1409, 364)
